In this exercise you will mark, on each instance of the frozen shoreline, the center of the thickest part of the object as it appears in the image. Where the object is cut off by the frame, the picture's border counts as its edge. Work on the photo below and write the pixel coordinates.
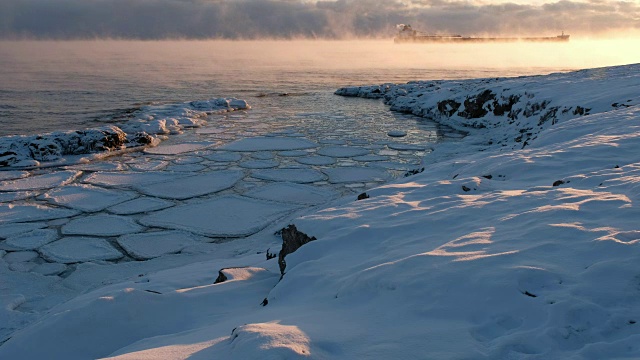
(498, 249)
(144, 127)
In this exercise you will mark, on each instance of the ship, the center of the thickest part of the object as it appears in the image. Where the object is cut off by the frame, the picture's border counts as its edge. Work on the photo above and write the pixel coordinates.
(406, 34)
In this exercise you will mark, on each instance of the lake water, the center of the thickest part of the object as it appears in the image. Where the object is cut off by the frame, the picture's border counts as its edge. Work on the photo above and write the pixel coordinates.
(50, 86)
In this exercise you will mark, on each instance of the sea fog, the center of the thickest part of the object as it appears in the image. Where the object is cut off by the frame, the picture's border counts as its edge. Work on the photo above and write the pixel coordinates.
(68, 85)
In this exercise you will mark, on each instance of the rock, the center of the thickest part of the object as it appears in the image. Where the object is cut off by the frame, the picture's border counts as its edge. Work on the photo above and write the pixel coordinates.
(448, 107)
(292, 240)
(558, 182)
(363, 196)
(465, 189)
(221, 277)
(474, 105)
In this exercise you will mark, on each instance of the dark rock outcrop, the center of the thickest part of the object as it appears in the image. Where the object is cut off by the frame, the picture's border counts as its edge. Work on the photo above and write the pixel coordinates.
(474, 105)
(221, 277)
(292, 240)
(448, 107)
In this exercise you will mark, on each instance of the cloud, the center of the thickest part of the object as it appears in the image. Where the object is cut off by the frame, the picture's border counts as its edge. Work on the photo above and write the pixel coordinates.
(250, 19)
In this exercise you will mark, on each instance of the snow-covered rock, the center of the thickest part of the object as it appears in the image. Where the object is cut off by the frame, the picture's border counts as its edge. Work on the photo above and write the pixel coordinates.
(136, 129)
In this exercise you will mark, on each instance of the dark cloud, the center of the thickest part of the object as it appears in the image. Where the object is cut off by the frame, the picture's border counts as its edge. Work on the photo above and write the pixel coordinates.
(249, 19)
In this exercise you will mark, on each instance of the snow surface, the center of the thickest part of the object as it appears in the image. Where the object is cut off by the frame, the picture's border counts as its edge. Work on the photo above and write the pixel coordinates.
(520, 241)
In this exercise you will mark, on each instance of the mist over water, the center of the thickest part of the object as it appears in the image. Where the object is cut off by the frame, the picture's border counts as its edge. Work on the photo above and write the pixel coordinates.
(68, 85)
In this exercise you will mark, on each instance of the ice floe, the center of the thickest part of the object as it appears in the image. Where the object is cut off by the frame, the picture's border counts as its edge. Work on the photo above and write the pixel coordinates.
(184, 160)
(70, 250)
(292, 153)
(31, 240)
(32, 212)
(224, 156)
(150, 245)
(316, 160)
(12, 174)
(86, 198)
(9, 230)
(49, 269)
(393, 165)
(258, 164)
(342, 151)
(355, 174)
(148, 165)
(192, 186)
(17, 195)
(186, 168)
(178, 148)
(225, 216)
(101, 225)
(292, 193)
(19, 256)
(40, 182)
(268, 144)
(292, 175)
(98, 166)
(370, 157)
(130, 179)
(140, 205)
(404, 147)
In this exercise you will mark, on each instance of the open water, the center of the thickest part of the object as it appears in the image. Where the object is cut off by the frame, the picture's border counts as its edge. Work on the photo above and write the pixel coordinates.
(47, 86)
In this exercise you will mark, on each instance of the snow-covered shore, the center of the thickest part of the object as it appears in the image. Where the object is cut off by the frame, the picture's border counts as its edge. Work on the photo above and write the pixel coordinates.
(141, 128)
(519, 241)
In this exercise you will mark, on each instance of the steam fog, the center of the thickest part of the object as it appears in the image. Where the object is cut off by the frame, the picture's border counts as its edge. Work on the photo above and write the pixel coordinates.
(287, 19)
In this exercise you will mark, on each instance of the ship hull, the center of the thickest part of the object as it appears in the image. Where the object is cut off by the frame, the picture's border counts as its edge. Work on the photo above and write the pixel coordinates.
(461, 39)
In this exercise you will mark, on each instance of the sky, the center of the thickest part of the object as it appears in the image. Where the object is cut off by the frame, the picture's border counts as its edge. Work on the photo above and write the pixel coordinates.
(285, 19)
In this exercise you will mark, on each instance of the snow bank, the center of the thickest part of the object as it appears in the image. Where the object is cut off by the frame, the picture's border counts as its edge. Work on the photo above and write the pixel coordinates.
(507, 253)
(139, 129)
